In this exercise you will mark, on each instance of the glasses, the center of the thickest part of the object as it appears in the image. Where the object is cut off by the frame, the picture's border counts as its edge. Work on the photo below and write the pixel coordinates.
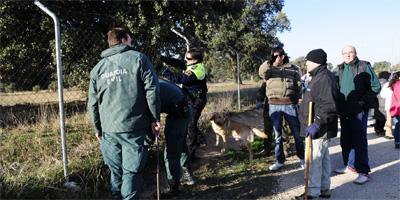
(348, 53)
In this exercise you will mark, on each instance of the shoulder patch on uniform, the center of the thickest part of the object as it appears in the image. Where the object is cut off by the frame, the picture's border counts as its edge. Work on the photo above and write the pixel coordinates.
(188, 72)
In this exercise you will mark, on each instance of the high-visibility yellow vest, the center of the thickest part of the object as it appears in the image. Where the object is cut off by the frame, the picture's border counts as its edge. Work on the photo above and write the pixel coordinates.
(198, 69)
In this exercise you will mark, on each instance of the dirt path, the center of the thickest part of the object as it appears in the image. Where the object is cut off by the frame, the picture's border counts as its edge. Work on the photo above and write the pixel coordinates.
(257, 182)
(384, 161)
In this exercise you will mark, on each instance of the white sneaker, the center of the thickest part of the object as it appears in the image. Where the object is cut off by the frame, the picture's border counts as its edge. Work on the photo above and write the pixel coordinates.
(186, 178)
(302, 164)
(346, 169)
(361, 179)
(275, 166)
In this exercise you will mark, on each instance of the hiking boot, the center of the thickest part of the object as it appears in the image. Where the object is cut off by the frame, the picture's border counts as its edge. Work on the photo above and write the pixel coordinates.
(275, 166)
(302, 164)
(186, 178)
(361, 179)
(325, 193)
(346, 169)
(172, 192)
(301, 197)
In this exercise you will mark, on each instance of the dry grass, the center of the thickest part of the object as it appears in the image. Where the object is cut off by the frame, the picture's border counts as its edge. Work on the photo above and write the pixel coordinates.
(41, 97)
(70, 95)
(31, 160)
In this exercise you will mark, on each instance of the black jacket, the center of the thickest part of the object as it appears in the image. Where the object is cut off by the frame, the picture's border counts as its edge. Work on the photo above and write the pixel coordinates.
(363, 96)
(323, 91)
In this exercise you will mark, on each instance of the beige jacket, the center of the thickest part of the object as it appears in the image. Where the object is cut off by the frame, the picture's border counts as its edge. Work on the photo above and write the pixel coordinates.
(283, 83)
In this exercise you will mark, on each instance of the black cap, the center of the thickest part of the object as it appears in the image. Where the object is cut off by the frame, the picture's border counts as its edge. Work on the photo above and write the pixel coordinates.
(317, 56)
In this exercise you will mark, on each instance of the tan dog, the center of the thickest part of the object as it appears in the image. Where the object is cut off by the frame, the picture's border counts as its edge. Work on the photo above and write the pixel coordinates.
(223, 124)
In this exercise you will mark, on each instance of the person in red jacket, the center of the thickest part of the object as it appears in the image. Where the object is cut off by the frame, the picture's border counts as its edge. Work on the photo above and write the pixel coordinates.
(394, 84)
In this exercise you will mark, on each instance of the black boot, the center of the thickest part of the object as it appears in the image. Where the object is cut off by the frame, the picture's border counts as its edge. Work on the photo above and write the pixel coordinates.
(173, 190)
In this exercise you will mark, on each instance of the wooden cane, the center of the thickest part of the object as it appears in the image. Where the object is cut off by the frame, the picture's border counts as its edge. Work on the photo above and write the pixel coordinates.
(158, 169)
(308, 146)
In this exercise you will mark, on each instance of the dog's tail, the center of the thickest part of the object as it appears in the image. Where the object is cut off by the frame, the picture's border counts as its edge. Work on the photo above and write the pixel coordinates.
(259, 133)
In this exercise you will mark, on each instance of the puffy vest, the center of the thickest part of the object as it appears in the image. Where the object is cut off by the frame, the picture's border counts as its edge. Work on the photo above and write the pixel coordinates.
(283, 82)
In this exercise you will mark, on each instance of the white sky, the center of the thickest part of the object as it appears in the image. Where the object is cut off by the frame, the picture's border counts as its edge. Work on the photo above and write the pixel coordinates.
(373, 27)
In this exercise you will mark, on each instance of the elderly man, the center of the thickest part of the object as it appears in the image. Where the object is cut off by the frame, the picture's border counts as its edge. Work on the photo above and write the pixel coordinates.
(359, 86)
(124, 105)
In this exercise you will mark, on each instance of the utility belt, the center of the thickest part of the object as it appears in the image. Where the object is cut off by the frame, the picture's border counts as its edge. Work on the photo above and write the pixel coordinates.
(280, 101)
(180, 109)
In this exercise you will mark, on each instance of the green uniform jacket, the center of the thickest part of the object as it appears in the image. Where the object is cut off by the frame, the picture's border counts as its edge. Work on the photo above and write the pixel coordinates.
(123, 91)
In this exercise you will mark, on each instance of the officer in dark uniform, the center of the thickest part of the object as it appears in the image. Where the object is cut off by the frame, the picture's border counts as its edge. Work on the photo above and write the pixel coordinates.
(262, 102)
(175, 104)
(194, 83)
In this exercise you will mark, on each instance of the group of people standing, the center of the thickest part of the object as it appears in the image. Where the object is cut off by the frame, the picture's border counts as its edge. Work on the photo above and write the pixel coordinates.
(347, 95)
(126, 98)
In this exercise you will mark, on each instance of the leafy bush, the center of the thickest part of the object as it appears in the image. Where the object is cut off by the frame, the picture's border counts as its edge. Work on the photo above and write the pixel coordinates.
(53, 86)
(10, 88)
(36, 88)
(2, 87)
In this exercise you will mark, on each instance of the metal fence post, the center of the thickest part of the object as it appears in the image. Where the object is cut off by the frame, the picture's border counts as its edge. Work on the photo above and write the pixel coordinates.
(60, 88)
(238, 77)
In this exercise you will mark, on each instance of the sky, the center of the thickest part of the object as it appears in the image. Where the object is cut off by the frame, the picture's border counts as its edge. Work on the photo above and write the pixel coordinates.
(371, 26)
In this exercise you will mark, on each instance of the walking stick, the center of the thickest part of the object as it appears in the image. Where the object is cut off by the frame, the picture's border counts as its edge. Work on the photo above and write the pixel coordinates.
(308, 150)
(158, 169)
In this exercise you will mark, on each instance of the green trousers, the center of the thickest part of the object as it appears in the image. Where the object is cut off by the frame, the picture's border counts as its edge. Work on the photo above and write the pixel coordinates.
(125, 156)
(176, 151)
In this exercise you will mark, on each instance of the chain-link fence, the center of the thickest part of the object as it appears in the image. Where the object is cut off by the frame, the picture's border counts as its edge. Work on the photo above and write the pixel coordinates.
(30, 144)
(30, 148)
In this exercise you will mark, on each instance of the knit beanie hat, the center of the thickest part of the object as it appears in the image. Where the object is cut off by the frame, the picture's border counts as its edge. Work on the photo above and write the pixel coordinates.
(317, 56)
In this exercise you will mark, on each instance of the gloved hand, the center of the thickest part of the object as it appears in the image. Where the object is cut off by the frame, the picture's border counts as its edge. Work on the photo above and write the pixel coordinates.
(312, 130)
(259, 104)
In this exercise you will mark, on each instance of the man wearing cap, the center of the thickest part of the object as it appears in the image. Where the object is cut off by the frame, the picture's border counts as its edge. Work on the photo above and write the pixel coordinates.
(323, 91)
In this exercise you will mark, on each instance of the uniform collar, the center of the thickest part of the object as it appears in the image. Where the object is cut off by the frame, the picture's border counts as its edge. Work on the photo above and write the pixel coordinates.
(115, 50)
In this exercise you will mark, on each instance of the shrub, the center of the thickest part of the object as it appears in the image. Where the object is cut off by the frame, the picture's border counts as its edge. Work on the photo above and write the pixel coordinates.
(2, 87)
(53, 86)
(36, 88)
(10, 88)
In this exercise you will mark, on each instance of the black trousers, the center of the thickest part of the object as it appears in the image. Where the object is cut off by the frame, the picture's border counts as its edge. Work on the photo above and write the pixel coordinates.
(354, 136)
(380, 120)
(195, 136)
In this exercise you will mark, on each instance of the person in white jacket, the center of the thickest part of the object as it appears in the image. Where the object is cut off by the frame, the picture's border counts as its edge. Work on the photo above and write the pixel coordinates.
(386, 93)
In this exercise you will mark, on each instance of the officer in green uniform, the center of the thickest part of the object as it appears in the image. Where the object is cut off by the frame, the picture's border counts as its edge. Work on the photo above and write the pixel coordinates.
(124, 105)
